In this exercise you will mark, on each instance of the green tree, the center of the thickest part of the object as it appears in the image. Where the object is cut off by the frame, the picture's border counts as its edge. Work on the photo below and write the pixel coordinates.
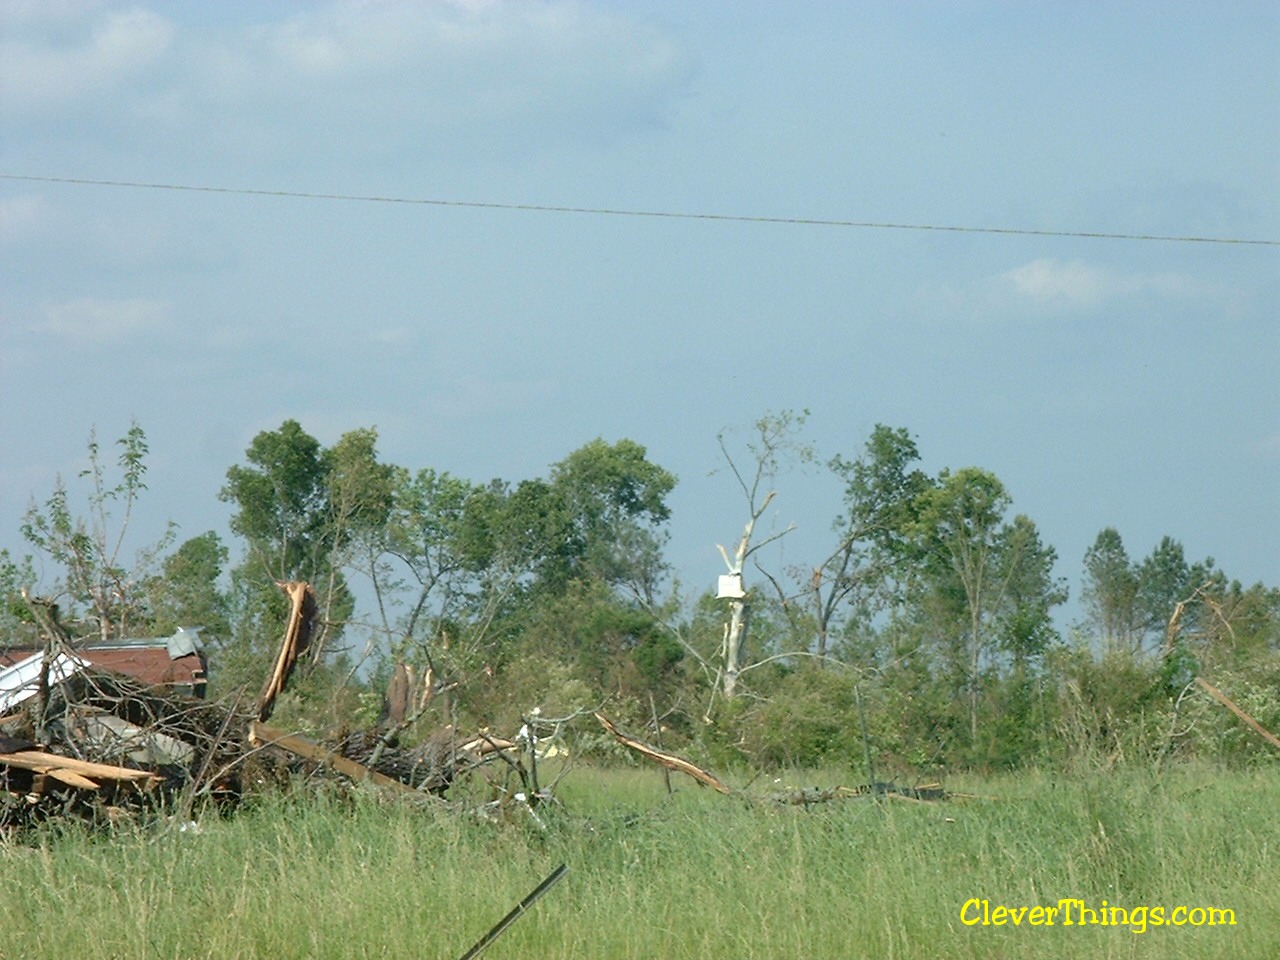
(1165, 580)
(1111, 591)
(188, 591)
(431, 581)
(280, 503)
(90, 547)
(881, 493)
(1024, 618)
(995, 575)
(16, 575)
(612, 505)
(306, 513)
(358, 496)
(1242, 625)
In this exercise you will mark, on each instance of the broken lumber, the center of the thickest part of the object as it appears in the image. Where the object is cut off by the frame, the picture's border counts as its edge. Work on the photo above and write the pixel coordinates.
(805, 797)
(668, 760)
(76, 773)
(260, 734)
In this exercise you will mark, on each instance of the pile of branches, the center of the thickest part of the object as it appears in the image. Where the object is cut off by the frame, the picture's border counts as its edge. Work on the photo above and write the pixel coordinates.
(97, 745)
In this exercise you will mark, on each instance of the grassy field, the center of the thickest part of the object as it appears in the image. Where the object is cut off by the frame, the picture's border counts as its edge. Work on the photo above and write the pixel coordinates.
(655, 876)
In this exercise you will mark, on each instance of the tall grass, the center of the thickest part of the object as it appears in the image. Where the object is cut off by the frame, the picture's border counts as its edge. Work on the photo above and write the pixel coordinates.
(692, 875)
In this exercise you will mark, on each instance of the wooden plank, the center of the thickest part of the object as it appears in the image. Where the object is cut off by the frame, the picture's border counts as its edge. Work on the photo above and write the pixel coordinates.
(72, 779)
(42, 762)
(260, 733)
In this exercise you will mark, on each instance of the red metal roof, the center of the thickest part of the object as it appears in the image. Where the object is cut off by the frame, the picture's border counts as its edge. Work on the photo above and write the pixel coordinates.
(151, 665)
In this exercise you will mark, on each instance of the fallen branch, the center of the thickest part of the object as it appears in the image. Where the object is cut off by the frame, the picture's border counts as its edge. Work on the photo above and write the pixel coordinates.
(669, 760)
(925, 794)
(1217, 694)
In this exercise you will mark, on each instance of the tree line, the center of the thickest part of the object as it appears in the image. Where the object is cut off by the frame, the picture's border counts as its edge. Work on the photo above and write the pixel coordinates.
(922, 636)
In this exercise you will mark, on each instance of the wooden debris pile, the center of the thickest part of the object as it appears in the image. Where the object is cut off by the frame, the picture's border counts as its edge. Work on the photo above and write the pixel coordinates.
(90, 743)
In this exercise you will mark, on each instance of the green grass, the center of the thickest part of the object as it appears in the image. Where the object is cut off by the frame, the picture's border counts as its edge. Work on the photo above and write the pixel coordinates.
(693, 875)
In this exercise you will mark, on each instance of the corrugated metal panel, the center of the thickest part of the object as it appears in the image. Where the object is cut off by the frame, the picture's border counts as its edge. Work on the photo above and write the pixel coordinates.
(20, 681)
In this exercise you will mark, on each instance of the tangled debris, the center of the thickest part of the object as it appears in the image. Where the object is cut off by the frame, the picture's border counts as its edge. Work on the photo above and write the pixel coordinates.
(80, 741)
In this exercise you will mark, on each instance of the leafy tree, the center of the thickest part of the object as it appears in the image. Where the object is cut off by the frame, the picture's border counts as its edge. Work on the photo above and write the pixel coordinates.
(433, 531)
(15, 617)
(187, 591)
(91, 548)
(1111, 591)
(1165, 580)
(1024, 620)
(432, 582)
(881, 494)
(358, 495)
(996, 575)
(1242, 626)
(612, 502)
(280, 503)
(305, 513)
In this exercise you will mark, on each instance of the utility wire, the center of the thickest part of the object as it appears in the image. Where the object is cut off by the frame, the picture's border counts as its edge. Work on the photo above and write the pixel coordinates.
(664, 214)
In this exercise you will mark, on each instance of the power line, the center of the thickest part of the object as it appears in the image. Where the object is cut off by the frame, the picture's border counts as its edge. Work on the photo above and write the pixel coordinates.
(663, 214)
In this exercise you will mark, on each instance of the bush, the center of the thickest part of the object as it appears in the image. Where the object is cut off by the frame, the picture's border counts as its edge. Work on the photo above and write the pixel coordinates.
(809, 719)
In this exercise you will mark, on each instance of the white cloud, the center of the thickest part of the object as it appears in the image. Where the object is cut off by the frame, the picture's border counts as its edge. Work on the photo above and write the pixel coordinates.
(40, 72)
(104, 321)
(1075, 283)
(1053, 287)
(347, 77)
(21, 216)
(416, 66)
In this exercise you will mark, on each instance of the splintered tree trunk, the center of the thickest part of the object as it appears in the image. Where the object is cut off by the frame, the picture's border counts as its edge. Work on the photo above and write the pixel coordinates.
(736, 628)
(733, 646)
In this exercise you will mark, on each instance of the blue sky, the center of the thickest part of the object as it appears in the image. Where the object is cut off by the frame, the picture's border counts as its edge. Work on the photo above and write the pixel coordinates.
(1106, 382)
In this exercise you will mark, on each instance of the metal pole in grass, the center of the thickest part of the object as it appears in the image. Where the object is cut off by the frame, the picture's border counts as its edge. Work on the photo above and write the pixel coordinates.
(515, 913)
(866, 741)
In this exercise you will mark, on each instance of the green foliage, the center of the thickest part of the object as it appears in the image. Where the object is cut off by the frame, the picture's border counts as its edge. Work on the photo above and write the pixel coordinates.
(353, 876)
(612, 503)
(280, 502)
(991, 578)
(1111, 591)
(16, 627)
(1217, 733)
(1131, 604)
(1114, 707)
(808, 718)
(306, 513)
(188, 590)
(1023, 618)
(552, 591)
(881, 498)
(89, 547)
